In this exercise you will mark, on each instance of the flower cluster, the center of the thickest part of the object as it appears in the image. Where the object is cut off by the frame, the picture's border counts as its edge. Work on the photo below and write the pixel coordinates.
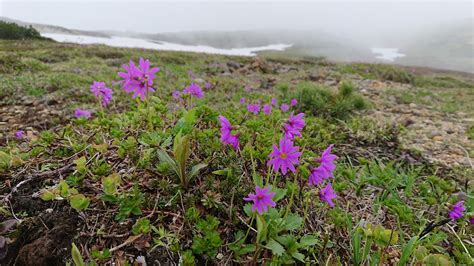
(254, 108)
(262, 199)
(82, 113)
(193, 90)
(293, 126)
(227, 138)
(103, 93)
(138, 79)
(325, 169)
(19, 134)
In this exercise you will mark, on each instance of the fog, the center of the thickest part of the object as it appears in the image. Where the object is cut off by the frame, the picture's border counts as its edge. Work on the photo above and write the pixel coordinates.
(375, 23)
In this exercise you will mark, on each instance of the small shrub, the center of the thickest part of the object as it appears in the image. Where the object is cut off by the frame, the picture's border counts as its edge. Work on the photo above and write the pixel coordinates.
(13, 31)
(322, 101)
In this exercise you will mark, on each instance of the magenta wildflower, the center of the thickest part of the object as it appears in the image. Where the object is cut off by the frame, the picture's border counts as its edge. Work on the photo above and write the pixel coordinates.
(253, 108)
(82, 113)
(327, 194)
(101, 91)
(19, 134)
(194, 90)
(242, 100)
(267, 109)
(293, 102)
(471, 220)
(293, 126)
(457, 210)
(284, 157)
(262, 199)
(227, 138)
(176, 95)
(274, 102)
(325, 168)
(138, 80)
(284, 107)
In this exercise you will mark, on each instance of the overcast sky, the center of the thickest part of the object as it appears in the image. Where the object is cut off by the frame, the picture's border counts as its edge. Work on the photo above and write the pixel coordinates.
(340, 17)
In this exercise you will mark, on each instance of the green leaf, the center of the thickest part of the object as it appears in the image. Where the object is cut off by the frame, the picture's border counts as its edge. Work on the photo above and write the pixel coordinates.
(280, 194)
(4, 160)
(262, 228)
(276, 248)
(292, 222)
(80, 164)
(298, 256)
(437, 260)
(195, 170)
(64, 189)
(248, 209)
(308, 240)
(165, 158)
(79, 202)
(407, 251)
(110, 183)
(141, 226)
(48, 195)
(76, 256)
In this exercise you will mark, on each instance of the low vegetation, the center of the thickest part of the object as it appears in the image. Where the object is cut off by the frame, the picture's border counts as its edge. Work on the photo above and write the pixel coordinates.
(193, 165)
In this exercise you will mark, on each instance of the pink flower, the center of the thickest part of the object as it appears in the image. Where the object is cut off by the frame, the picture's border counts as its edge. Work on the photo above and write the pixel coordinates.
(227, 138)
(138, 80)
(262, 199)
(457, 210)
(267, 109)
(293, 102)
(325, 168)
(194, 90)
(242, 100)
(253, 108)
(471, 220)
(248, 88)
(284, 157)
(19, 134)
(284, 107)
(208, 85)
(102, 92)
(274, 102)
(327, 194)
(78, 113)
(293, 126)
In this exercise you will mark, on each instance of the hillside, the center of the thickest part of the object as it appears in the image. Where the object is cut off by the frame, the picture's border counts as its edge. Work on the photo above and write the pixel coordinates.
(375, 172)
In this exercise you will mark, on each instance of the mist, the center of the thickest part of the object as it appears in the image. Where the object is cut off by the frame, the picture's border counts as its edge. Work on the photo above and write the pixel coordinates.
(373, 23)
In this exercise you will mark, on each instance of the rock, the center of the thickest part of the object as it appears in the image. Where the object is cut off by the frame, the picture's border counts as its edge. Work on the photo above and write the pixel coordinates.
(412, 105)
(234, 65)
(438, 138)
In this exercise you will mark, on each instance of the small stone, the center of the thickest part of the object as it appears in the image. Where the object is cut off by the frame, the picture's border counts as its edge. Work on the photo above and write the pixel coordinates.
(438, 138)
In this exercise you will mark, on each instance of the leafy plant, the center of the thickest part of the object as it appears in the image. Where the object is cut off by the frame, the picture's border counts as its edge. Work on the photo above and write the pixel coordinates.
(207, 239)
(181, 153)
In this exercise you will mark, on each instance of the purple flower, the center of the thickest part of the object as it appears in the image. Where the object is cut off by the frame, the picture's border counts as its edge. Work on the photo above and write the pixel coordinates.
(82, 113)
(457, 210)
(327, 194)
(325, 168)
(19, 134)
(176, 95)
(248, 88)
(284, 157)
(242, 100)
(293, 102)
(262, 199)
(274, 102)
(284, 107)
(471, 220)
(226, 133)
(194, 90)
(102, 92)
(293, 126)
(254, 108)
(208, 85)
(267, 109)
(138, 80)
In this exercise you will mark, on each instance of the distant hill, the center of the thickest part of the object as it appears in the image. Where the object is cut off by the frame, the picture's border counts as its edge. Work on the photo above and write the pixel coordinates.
(44, 28)
(442, 46)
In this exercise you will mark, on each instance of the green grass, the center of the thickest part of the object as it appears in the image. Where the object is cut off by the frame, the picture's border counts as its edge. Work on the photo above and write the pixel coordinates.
(158, 173)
